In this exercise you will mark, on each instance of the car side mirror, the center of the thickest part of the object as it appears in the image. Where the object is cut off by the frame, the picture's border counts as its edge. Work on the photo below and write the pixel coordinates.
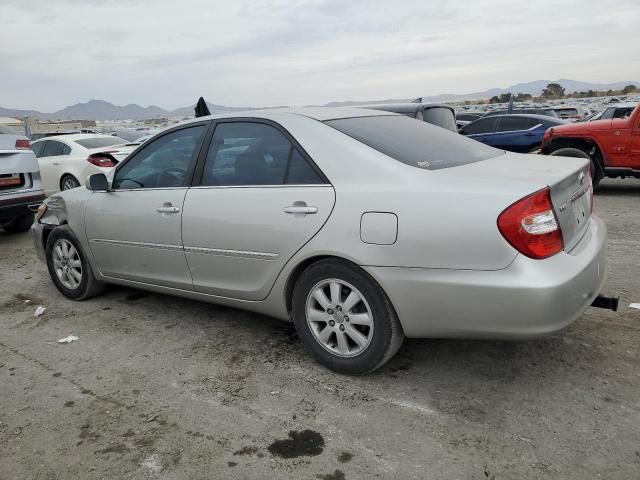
(98, 183)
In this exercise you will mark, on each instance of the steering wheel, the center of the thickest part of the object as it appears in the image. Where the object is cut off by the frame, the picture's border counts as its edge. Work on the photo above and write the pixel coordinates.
(176, 174)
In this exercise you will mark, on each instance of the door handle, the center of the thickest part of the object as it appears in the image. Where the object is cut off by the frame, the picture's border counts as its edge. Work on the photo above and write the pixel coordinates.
(56, 162)
(529, 134)
(302, 210)
(167, 209)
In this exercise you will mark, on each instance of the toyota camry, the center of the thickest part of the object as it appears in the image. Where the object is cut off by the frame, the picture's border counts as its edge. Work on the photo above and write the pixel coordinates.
(362, 227)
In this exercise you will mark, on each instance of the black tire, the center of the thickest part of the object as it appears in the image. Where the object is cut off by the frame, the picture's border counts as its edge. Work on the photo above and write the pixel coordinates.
(88, 285)
(20, 224)
(68, 181)
(596, 170)
(387, 335)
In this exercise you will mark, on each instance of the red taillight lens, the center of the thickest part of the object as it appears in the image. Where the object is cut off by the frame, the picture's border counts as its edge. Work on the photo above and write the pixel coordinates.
(23, 145)
(99, 161)
(531, 227)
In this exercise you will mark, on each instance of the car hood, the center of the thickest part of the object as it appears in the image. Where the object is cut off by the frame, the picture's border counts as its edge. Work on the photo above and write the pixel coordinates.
(582, 127)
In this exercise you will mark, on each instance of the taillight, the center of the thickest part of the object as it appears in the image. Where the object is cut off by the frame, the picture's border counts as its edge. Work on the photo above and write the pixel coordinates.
(23, 145)
(530, 225)
(102, 161)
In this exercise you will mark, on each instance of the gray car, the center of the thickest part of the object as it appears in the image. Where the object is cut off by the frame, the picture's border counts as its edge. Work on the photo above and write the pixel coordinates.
(360, 226)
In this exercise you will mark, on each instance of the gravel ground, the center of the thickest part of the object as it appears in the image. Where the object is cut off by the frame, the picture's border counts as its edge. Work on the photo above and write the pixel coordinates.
(160, 387)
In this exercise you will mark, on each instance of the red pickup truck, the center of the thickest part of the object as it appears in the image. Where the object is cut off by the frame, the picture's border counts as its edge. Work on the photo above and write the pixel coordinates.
(612, 145)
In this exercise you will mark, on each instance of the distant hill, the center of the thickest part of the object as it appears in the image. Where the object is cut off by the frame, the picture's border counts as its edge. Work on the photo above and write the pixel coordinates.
(533, 88)
(102, 110)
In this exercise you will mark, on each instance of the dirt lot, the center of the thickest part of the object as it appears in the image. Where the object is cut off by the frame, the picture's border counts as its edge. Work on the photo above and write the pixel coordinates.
(159, 387)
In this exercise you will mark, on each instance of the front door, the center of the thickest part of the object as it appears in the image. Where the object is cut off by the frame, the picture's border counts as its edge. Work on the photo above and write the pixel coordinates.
(134, 231)
(260, 200)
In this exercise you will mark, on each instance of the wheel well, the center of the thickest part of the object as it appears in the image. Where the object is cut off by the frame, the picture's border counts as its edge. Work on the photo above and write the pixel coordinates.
(47, 231)
(67, 175)
(297, 271)
(585, 144)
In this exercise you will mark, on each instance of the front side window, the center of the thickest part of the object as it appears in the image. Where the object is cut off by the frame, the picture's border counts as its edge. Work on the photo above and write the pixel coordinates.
(38, 148)
(163, 163)
(418, 144)
(485, 125)
(512, 124)
(246, 153)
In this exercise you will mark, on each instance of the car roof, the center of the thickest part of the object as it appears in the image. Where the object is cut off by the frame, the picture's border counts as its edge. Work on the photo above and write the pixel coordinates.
(321, 114)
(73, 137)
(623, 105)
(525, 115)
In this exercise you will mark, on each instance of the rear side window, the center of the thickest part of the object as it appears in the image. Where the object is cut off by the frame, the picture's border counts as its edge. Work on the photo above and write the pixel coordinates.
(248, 153)
(100, 142)
(53, 149)
(512, 124)
(442, 117)
(415, 143)
(485, 125)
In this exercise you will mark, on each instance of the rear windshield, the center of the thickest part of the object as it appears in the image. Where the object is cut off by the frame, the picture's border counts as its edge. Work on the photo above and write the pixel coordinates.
(442, 117)
(567, 111)
(418, 144)
(99, 142)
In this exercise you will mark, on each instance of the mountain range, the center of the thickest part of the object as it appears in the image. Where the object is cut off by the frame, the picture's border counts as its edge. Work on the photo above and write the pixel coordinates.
(102, 110)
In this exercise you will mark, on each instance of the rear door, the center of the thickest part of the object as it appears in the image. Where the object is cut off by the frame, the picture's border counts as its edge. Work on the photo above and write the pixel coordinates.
(260, 199)
(134, 229)
(517, 134)
(50, 161)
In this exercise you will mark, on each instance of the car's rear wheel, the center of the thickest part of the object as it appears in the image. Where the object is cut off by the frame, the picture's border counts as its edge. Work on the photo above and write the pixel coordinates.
(596, 170)
(68, 182)
(344, 318)
(68, 266)
(19, 225)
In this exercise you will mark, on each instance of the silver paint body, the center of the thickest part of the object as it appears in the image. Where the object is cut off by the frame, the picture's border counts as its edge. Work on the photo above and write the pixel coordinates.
(429, 237)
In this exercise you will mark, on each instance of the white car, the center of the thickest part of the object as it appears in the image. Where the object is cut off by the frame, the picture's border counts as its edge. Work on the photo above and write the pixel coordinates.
(66, 161)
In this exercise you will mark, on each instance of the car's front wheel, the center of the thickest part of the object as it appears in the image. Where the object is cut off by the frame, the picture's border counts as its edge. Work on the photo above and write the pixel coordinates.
(68, 266)
(344, 318)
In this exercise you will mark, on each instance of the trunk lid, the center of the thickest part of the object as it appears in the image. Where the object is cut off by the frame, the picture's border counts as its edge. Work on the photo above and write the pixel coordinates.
(17, 166)
(568, 179)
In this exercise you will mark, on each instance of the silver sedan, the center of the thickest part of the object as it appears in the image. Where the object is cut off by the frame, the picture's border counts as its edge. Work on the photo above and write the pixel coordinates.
(362, 227)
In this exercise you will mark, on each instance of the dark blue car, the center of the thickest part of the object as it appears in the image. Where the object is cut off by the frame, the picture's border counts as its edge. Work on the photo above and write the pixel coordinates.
(516, 132)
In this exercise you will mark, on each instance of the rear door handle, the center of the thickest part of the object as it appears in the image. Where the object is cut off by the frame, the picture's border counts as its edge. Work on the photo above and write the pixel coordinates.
(302, 210)
(56, 162)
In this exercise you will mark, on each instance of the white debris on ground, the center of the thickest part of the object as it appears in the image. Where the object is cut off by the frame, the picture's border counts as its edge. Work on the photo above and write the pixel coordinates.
(69, 339)
(39, 311)
(634, 305)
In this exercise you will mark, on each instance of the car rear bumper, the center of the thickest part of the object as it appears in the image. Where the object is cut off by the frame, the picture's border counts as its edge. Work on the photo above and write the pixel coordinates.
(19, 206)
(530, 298)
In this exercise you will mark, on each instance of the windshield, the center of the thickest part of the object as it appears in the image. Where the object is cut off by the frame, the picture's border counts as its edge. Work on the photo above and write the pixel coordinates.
(100, 142)
(418, 144)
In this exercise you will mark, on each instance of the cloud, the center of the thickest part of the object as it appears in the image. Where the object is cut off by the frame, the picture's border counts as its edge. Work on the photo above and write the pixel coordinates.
(269, 52)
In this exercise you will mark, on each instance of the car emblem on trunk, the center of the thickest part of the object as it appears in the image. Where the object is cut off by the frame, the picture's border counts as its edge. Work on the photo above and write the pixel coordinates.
(581, 178)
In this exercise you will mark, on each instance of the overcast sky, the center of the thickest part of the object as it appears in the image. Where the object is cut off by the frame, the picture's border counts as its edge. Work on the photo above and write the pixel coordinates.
(270, 52)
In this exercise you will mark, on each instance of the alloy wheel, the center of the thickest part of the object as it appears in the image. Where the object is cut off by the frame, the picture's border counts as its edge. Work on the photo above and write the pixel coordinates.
(67, 264)
(339, 317)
